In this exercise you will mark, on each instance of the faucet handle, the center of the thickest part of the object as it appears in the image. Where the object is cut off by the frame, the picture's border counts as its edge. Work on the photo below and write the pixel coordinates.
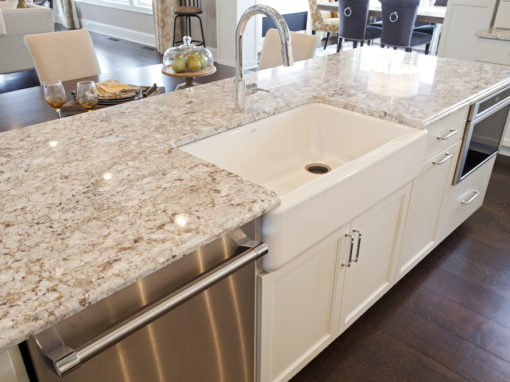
(253, 88)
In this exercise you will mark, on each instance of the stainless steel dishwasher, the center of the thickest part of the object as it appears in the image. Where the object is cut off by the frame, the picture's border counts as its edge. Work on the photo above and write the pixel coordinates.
(193, 320)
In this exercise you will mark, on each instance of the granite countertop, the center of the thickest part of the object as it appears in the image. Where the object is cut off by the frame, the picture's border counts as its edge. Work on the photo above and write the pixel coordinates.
(494, 34)
(89, 202)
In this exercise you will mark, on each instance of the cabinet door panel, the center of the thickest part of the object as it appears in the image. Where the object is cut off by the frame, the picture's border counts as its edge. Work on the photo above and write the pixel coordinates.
(295, 314)
(425, 202)
(372, 275)
(463, 18)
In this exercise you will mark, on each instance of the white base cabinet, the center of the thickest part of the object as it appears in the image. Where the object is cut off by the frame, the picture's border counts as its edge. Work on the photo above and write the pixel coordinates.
(376, 237)
(463, 199)
(424, 208)
(295, 312)
(307, 303)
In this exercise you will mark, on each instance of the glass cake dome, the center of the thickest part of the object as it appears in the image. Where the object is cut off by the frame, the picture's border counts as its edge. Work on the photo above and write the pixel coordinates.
(187, 58)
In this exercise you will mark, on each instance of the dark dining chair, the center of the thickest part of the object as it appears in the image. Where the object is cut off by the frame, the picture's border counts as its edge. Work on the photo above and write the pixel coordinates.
(186, 10)
(353, 23)
(398, 17)
(428, 27)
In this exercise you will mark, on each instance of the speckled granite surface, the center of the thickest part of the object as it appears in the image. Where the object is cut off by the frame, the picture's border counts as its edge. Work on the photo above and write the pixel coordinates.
(494, 33)
(89, 202)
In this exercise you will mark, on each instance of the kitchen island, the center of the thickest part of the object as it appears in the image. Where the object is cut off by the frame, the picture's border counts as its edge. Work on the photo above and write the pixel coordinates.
(89, 202)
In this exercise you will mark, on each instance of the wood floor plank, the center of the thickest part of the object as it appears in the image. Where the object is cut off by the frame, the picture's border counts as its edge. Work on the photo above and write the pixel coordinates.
(478, 263)
(465, 293)
(482, 366)
(423, 335)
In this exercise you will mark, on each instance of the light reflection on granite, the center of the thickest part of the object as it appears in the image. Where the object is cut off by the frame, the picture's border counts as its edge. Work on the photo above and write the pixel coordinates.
(494, 34)
(89, 202)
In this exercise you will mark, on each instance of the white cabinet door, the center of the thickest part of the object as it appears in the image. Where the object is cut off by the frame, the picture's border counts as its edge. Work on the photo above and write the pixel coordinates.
(371, 272)
(425, 202)
(463, 18)
(295, 310)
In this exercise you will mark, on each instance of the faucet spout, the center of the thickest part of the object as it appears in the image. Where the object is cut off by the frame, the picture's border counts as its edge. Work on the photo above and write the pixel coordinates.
(240, 90)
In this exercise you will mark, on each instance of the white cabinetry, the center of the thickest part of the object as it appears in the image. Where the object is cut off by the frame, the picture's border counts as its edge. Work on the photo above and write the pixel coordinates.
(426, 197)
(464, 198)
(464, 18)
(503, 15)
(429, 188)
(295, 311)
(307, 303)
(376, 237)
(493, 51)
(311, 300)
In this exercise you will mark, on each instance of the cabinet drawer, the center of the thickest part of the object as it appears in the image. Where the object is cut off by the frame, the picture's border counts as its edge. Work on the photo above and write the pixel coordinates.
(463, 199)
(445, 133)
(494, 51)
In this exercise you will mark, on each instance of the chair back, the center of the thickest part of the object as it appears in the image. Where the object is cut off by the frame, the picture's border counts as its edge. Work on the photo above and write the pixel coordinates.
(63, 55)
(190, 3)
(353, 18)
(398, 17)
(303, 48)
(316, 16)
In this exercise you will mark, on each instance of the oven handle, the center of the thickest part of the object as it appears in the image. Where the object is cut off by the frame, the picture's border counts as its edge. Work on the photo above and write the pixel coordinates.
(493, 109)
(65, 359)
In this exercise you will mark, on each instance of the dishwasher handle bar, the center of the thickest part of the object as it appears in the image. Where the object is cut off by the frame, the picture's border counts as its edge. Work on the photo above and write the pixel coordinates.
(73, 358)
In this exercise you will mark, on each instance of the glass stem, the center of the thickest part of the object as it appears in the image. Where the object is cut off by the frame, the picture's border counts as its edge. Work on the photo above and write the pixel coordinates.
(59, 113)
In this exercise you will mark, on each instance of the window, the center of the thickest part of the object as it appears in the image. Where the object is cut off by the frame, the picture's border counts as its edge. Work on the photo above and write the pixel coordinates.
(142, 6)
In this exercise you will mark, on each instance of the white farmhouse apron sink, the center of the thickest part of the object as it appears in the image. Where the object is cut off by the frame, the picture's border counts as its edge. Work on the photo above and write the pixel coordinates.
(368, 158)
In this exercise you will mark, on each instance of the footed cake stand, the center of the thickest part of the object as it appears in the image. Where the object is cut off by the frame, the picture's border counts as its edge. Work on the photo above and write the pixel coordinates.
(189, 76)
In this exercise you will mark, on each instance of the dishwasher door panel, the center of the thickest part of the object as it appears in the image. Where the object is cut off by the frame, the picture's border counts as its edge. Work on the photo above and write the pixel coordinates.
(210, 337)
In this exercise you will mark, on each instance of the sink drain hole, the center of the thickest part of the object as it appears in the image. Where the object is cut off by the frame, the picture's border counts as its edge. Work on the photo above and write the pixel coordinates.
(317, 168)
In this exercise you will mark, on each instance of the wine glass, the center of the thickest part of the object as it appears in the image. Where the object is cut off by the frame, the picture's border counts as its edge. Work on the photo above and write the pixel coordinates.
(54, 95)
(86, 92)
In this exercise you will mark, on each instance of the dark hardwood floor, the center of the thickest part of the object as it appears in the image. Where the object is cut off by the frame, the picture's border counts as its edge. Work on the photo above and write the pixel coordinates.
(113, 55)
(447, 320)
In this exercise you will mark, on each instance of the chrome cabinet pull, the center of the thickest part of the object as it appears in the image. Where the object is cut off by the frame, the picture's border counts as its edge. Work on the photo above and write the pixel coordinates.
(447, 157)
(359, 244)
(475, 195)
(447, 136)
(351, 245)
(65, 359)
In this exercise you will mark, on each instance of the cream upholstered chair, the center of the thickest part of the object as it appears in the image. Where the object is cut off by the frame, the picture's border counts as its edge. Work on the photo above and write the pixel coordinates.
(303, 48)
(63, 55)
(17, 23)
(323, 21)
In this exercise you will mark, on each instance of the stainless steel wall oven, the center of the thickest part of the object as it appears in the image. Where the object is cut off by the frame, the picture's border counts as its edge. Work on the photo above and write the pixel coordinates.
(484, 130)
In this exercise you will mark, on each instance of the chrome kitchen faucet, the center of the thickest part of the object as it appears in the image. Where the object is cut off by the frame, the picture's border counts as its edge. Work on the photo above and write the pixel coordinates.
(241, 90)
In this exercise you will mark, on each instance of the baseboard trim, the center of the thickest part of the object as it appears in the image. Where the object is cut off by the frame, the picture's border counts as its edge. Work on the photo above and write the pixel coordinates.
(119, 32)
(143, 38)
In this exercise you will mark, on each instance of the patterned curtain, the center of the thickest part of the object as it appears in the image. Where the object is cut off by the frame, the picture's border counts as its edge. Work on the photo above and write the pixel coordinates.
(164, 23)
(65, 13)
